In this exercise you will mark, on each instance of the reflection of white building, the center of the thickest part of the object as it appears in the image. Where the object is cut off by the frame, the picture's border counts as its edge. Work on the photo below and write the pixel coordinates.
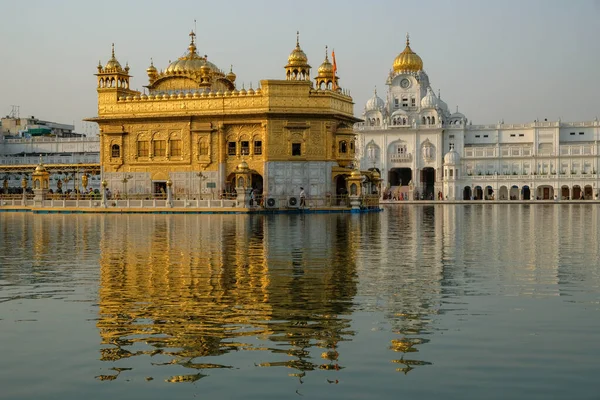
(412, 137)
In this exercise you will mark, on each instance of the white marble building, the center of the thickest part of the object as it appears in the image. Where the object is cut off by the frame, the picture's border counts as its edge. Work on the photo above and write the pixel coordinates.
(423, 150)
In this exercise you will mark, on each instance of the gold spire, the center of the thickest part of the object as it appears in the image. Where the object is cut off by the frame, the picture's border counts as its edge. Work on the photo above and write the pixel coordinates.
(408, 60)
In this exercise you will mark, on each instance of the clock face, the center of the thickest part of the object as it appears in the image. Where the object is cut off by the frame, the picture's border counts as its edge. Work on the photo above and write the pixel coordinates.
(404, 83)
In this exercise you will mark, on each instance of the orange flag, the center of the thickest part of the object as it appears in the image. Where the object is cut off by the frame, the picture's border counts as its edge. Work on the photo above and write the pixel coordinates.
(334, 69)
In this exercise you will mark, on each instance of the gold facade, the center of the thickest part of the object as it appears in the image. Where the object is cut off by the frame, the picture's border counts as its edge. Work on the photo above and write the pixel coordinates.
(194, 122)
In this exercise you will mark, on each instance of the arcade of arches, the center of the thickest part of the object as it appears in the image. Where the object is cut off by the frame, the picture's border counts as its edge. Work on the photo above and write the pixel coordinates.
(542, 192)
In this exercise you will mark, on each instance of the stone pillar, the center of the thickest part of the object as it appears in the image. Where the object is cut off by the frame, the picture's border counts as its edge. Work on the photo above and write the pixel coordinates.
(24, 187)
(41, 184)
(169, 193)
(104, 196)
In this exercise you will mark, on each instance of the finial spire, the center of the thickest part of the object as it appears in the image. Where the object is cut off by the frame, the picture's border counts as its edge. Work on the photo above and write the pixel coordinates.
(192, 36)
(151, 62)
(439, 94)
(375, 90)
(113, 50)
(297, 38)
(326, 54)
(407, 39)
(230, 68)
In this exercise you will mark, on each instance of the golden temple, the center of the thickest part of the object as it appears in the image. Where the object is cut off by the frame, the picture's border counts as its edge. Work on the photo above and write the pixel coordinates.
(195, 128)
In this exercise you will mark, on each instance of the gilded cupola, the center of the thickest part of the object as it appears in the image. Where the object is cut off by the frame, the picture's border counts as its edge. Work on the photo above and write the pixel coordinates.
(112, 65)
(326, 76)
(297, 68)
(190, 72)
(408, 60)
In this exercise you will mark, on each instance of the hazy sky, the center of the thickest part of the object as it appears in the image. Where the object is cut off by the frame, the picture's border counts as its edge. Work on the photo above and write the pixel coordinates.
(510, 60)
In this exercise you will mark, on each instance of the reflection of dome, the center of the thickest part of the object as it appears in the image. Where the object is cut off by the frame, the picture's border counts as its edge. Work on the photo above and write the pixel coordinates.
(408, 60)
(429, 101)
(374, 103)
(452, 157)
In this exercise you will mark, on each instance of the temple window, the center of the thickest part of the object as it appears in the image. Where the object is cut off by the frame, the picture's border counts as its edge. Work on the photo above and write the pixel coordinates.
(296, 149)
(413, 102)
(245, 148)
(142, 148)
(203, 148)
(115, 151)
(343, 147)
(175, 148)
(159, 148)
(257, 147)
(231, 148)
(432, 120)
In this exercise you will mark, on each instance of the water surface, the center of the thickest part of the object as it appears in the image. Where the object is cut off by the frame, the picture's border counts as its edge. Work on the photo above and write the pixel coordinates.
(445, 301)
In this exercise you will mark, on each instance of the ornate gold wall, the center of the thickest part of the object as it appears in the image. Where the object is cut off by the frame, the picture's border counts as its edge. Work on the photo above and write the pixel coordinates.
(202, 128)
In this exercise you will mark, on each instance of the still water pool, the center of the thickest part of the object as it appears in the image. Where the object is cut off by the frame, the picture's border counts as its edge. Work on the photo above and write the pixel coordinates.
(419, 302)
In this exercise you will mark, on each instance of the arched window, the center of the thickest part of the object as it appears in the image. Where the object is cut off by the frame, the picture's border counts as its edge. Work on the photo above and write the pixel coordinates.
(433, 120)
(424, 121)
(343, 147)
(115, 151)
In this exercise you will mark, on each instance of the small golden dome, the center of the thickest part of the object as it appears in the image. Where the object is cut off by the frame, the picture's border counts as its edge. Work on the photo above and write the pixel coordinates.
(242, 166)
(113, 63)
(297, 56)
(40, 168)
(231, 76)
(326, 68)
(355, 173)
(408, 60)
(376, 175)
(151, 69)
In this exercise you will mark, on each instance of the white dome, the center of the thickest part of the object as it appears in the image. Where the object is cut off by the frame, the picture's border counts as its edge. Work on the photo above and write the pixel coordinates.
(399, 112)
(442, 104)
(458, 115)
(374, 103)
(430, 100)
(452, 157)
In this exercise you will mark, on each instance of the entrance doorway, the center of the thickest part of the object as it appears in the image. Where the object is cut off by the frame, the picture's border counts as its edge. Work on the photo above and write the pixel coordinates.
(428, 182)
(526, 193)
(159, 189)
(467, 193)
(399, 176)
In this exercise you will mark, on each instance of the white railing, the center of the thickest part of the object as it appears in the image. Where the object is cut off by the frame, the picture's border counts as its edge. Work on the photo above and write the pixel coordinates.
(89, 158)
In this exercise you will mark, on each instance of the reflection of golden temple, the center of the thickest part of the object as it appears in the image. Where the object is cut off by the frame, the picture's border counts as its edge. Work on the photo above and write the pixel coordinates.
(232, 281)
(195, 119)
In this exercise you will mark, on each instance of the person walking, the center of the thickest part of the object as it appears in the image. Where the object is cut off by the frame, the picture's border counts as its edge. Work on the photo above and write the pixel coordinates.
(302, 198)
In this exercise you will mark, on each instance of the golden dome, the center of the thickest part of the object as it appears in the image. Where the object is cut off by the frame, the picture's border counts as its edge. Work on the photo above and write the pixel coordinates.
(113, 63)
(242, 166)
(408, 60)
(297, 56)
(355, 173)
(230, 75)
(151, 69)
(191, 61)
(326, 68)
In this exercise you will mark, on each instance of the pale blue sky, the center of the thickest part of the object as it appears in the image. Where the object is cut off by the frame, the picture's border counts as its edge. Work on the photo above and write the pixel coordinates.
(510, 60)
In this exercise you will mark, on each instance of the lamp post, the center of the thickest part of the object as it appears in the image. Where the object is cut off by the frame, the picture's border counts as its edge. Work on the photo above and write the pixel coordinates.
(24, 186)
(104, 196)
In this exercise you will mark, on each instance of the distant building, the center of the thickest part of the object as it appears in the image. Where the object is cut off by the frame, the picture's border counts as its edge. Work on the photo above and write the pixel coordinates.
(32, 126)
(422, 150)
(195, 127)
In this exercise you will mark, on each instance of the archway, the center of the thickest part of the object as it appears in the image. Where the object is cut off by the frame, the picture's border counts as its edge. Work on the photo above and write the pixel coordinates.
(428, 182)
(489, 193)
(340, 189)
(477, 193)
(588, 193)
(399, 176)
(514, 192)
(467, 193)
(544, 192)
(564, 192)
(526, 193)
(577, 192)
(503, 193)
